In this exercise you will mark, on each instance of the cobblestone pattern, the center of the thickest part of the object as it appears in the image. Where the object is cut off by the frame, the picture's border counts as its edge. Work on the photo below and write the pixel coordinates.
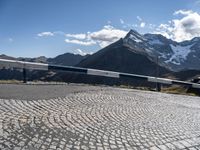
(108, 118)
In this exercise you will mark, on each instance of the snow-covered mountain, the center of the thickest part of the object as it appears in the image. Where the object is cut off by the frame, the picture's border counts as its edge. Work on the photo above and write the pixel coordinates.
(171, 54)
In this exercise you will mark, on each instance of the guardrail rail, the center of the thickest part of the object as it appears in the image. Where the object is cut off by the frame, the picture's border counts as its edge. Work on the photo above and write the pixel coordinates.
(5, 63)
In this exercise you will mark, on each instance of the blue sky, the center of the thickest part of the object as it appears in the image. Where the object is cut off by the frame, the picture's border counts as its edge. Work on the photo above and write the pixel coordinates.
(32, 28)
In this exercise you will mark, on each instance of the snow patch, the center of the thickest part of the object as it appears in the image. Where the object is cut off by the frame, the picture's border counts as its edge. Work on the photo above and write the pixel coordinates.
(163, 55)
(194, 56)
(180, 54)
(134, 38)
(148, 50)
(155, 42)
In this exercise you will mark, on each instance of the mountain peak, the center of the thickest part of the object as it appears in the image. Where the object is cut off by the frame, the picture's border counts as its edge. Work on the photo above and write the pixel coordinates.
(134, 36)
(133, 33)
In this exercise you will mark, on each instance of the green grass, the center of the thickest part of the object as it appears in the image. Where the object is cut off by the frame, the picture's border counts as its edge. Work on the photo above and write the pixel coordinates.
(177, 90)
(10, 81)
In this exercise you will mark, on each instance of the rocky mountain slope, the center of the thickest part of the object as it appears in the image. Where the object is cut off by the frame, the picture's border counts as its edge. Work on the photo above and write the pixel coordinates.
(116, 57)
(119, 57)
(174, 55)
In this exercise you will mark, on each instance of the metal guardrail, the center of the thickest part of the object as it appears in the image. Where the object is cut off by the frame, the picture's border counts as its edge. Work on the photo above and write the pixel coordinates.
(4, 63)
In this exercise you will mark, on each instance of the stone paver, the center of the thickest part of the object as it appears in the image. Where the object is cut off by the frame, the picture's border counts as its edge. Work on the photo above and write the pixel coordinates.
(101, 118)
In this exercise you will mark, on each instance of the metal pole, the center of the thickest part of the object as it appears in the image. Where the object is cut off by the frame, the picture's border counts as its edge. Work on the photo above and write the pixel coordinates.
(158, 85)
(24, 74)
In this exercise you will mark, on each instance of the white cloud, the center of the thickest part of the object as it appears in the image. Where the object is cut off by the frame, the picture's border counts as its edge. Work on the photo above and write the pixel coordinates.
(81, 52)
(103, 37)
(142, 24)
(165, 30)
(103, 44)
(77, 36)
(185, 28)
(107, 35)
(121, 21)
(79, 42)
(45, 34)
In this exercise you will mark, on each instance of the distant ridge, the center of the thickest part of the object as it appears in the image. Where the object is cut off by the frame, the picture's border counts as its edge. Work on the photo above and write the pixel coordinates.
(64, 59)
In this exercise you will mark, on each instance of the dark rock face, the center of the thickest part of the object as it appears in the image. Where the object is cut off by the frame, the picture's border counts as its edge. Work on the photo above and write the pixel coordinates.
(118, 57)
(115, 57)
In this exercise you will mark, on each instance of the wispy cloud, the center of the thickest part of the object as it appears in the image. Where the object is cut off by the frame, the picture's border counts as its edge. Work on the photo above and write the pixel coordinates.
(10, 40)
(79, 42)
(142, 23)
(45, 34)
(58, 33)
(109, 22)
(139, 18)
(183, 12)
(76, 36)
(121, 21)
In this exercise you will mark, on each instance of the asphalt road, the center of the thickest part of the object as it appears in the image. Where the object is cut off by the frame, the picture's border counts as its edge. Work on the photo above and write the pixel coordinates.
(40, 91)
(93, 117)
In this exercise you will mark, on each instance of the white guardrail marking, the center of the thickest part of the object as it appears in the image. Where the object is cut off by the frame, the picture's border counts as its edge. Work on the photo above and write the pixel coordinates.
(159, 80)
(41, 66)
(103, 73)
(10, 64)
(21, 64)
(36, 66)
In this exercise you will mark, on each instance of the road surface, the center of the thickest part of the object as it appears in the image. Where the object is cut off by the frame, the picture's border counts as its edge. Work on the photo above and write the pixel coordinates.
(94, 117)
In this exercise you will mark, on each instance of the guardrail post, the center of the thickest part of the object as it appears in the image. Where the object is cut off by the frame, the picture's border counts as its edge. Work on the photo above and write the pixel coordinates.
(158, 87)
(24, 75)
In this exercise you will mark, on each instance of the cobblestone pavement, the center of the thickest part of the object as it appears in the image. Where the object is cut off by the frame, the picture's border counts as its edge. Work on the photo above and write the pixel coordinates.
(101, 118)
